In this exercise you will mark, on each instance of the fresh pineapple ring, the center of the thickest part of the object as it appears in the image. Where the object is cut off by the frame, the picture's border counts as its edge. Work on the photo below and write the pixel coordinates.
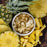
(9, 39)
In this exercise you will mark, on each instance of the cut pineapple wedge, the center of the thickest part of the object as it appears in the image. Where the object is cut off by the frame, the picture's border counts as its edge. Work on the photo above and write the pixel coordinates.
(4, 28)
(9, 39)
(2, 22)
(29, 44)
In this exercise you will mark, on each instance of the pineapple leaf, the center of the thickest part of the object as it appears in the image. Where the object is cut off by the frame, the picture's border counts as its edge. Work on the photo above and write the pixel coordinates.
(15, 5)
(14, 2)
(21, 3)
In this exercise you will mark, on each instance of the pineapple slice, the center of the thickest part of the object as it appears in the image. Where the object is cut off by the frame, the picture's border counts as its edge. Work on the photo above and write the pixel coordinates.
(2, 22)
(38, 9)
(9, 39)
(4, 28)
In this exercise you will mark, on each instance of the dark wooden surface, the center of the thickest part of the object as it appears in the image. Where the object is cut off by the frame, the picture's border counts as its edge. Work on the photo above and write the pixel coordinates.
(3, 1)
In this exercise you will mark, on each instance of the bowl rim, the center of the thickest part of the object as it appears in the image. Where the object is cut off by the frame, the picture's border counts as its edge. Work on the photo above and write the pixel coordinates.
(18, 15)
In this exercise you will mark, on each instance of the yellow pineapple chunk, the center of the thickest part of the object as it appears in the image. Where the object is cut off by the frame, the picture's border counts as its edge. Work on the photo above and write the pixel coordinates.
(31, 40)
(22, 40)
(26, 37)
(38, 32)
(37, 35)
(32, 35)
(29, 44)
(21, 46)
(36, 28)
(41, 34)
(41, 24)
(39, 42)
(25, 41)
(37, 38)
(36, 44)
(37, 22)
(43, 27)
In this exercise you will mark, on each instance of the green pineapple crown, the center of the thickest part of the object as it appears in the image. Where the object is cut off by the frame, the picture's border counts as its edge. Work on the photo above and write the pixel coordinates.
(16, 5)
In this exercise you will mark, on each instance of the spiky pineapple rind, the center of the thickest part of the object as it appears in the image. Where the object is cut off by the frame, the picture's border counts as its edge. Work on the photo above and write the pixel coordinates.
(5, 14)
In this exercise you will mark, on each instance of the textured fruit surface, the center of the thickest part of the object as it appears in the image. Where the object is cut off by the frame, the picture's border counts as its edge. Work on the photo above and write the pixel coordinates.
(9, 39)
(5, 14)
(4, 28)
(38, 9)
(2, 22)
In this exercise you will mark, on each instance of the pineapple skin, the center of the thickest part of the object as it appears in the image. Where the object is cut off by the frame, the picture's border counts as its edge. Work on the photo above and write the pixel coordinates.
(38, 9)
(5, 14)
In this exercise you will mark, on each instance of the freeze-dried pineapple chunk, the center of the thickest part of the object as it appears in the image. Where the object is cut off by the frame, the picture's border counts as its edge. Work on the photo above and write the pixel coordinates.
(41, 34)
(26, 36)
(35, 44)
(41, 24)
(25, 41)
(22, 40)
(43, 27)
(31, 40)
(21, 46)
(37, 22)
(36, 28)
(32, 35)
(37, 38)
(29, 44)
(39, 42)
(38, 32)
(37, 35)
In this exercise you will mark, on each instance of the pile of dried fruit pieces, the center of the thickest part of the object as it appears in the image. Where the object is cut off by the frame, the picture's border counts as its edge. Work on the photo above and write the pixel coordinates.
(33, 38)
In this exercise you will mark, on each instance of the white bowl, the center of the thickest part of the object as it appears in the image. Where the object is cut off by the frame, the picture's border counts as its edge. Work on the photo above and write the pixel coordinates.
(19, 33)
